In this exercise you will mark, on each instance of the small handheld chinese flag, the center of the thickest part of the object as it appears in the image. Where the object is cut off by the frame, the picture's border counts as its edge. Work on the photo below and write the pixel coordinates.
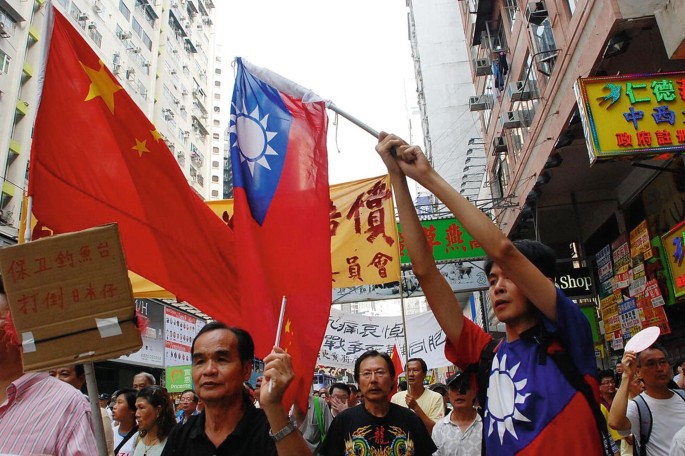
(397, 364)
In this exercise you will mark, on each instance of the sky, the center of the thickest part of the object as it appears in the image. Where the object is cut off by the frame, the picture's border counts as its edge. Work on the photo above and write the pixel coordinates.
(355, 53)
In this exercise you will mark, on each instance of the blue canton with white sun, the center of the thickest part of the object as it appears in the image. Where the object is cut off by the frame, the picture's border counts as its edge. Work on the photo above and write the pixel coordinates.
(258, 137)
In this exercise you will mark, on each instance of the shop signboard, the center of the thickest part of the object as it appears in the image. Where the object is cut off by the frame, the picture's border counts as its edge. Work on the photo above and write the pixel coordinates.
(574, 282)
(640, 243)
(448, 239)
(179, 378)
(620, 253)
(634, 115)
(674, 248)
(152, 352)
(181, 329)
(605, 268)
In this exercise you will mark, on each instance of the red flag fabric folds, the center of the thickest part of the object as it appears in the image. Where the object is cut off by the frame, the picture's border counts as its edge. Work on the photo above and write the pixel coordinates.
(397, 364)
(97, 159)
(281, 221)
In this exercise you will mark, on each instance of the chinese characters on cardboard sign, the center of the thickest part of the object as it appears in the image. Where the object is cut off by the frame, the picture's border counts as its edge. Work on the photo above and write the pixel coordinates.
(70, 298)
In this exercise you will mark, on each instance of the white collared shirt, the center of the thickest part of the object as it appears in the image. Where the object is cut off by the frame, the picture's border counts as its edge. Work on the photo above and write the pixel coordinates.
(451, 441)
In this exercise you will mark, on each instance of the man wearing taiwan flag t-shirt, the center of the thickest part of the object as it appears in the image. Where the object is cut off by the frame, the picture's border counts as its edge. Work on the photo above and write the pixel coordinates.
(531, 407)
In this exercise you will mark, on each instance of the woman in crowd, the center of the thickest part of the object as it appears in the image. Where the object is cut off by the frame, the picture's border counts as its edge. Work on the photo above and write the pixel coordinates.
(124, 413)
(155, 417)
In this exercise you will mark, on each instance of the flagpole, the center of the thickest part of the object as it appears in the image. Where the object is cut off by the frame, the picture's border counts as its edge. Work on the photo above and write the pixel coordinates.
(404, 323)
(330, 105)
(27, 228)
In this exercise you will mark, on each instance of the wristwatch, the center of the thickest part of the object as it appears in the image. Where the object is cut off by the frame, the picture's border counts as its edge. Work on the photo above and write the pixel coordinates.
(283, 433)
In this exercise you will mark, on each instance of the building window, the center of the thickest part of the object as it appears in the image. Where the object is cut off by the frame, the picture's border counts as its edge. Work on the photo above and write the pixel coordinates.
(215, 193)
(511, 8)
(123, 9)
(215, 179)
(217, 71)
(215, 164)
(544, 45)
(4, 62)
(571, 4)
(217, 123)
(95, 35)
(215, 135)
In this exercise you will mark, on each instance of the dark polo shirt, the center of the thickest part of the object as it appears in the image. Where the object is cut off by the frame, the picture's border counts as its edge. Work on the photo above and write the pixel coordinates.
(250, 437)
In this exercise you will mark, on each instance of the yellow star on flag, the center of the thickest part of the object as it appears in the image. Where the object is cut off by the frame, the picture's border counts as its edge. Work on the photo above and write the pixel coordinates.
(156, 135)
(289, 340)
(141, 147)
(101, 85)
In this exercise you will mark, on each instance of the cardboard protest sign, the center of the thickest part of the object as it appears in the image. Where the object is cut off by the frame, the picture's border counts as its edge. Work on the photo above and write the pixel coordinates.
(70, 298)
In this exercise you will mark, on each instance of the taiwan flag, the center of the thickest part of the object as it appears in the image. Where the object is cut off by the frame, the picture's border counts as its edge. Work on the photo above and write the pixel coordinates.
(281, 223)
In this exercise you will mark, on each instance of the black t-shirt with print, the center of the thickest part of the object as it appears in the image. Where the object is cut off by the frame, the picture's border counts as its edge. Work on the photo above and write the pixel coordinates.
(399, 433)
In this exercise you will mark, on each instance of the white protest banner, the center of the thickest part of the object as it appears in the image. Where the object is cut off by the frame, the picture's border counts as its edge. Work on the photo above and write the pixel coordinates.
(349, 335)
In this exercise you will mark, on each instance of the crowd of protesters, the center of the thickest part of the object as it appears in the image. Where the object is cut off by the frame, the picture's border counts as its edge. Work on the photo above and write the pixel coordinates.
(544, 392)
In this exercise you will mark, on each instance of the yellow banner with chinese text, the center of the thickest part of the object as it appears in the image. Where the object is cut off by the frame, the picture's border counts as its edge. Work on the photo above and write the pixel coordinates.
(364, 247)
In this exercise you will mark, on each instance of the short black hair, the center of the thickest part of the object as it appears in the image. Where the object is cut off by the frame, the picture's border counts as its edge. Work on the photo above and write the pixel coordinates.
(654, 346)
(245, 342)
(373, 354)
(130, 396)
(341, 386)
(541, 255)
(402, 386)
(424, 366)
(195, 397)
(606, 373)
(353, 388)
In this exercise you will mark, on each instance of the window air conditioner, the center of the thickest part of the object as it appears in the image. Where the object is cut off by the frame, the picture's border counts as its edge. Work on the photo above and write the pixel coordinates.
(515, 119)
(536, 12)
(480, 103)
(125, 35)
(483, 67)
(92, 25)
(499, 144)
(82, 17)
(97, 6)
(523, 90)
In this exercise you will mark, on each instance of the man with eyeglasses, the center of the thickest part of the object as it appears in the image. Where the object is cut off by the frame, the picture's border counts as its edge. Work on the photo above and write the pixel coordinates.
(666, 408)
(607, 388)
(377, 426)
(187, 406)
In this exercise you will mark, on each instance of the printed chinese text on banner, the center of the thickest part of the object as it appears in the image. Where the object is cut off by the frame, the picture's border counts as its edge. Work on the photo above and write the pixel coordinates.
(280, 169)
(97, 159)
(364, 244)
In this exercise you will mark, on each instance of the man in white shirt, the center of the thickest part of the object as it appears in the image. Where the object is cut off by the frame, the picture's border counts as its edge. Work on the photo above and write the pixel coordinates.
(428, 405)
(461, 432)
(666, 408)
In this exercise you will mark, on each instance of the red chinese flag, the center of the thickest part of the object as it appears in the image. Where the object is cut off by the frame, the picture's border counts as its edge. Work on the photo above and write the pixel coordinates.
(281, 221)
(97, 159)
(397, 364)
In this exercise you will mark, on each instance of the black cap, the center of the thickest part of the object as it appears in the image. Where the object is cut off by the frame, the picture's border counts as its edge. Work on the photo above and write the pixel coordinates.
(104, 397)
(459, 381)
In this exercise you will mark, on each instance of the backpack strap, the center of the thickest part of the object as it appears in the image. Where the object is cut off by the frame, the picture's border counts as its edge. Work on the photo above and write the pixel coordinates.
(644, 415)
(483, 372)
(680, 393)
